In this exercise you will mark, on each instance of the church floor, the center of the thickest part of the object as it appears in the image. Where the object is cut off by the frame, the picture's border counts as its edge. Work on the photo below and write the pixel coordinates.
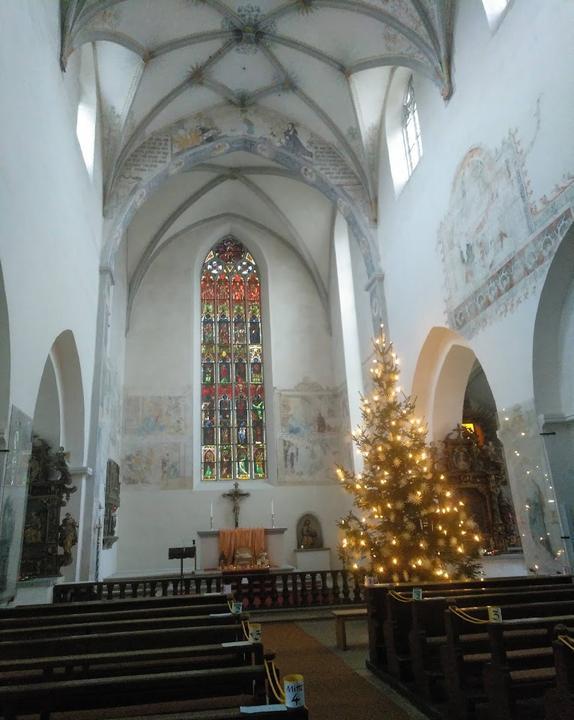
(337, 684)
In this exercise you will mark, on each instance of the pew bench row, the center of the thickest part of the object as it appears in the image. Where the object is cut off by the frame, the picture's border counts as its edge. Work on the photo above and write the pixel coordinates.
(190, 651)
(445, 649)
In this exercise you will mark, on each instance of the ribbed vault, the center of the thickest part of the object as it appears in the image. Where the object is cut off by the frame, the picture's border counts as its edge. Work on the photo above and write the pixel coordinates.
(307, 60)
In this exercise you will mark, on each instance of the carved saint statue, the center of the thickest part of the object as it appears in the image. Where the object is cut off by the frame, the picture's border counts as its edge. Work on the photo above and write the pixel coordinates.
(67, 537)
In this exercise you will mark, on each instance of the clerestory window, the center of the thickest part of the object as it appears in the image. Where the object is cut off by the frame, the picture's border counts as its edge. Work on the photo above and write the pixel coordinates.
(411, 129)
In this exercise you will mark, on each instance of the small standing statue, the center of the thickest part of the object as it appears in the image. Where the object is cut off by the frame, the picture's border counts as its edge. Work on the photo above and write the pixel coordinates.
(235, 496)
(67, 537)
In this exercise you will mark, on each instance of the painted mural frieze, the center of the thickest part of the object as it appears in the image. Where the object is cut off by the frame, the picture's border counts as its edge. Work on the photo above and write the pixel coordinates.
(496, 241)
(314, 434)
(533, 494)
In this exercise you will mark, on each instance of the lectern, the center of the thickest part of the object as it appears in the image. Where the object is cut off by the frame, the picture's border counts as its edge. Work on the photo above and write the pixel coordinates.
(179, 553)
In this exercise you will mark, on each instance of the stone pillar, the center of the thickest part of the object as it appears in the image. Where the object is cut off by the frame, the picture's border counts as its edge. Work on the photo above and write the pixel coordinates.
(83, 480)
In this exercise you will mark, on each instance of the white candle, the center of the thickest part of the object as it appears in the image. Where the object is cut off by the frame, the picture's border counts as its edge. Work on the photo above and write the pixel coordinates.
(272, 508)
(211, 510)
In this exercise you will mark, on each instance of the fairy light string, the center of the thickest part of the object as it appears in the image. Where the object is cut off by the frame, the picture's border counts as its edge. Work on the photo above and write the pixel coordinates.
(407, 523)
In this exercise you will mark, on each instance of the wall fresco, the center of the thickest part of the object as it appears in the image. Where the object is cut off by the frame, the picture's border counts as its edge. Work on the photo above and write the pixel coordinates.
(154, 414)
(496, 242)
(155, 453)
(314, 434)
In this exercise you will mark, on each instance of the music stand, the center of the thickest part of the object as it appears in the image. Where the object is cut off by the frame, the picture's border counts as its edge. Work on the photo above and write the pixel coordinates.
(179, 553)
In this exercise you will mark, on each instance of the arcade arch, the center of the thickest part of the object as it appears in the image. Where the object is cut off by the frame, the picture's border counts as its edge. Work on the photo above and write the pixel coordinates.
(553, 376)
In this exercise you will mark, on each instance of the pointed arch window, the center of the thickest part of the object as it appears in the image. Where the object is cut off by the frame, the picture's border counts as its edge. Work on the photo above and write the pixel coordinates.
(411, 128)
(232, 393)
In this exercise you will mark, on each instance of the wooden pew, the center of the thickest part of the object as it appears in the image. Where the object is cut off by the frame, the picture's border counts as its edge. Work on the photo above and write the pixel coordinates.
(427, 627)
(525, 634)
(186, 618)
(97, 615)
(109, 692)
(263, 713)
(511, 675)
(137, 645)
(158, 637)
(150, 665)
(559, 701)
(123, 660)
(73, 608)
(376, 604)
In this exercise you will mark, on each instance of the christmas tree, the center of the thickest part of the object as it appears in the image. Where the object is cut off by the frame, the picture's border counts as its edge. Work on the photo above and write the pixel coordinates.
(408, 525)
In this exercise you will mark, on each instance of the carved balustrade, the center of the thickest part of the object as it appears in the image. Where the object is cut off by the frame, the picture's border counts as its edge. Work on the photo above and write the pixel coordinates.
(257, 591)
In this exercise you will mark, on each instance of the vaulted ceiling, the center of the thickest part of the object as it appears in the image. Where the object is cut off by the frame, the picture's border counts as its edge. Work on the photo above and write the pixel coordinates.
(323, 64)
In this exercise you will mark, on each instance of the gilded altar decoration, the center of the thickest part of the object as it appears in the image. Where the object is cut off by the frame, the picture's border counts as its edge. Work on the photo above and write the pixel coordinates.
(242, 549)
(232, 391)
(112, 503)
(478, 474)
(49, 489)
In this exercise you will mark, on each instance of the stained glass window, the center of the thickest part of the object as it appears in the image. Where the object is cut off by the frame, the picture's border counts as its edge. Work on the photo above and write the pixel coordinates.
(232, 395)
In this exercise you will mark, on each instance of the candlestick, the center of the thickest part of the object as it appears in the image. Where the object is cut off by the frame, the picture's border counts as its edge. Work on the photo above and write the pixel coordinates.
(272, 508)
(211, 516)
(273, 520)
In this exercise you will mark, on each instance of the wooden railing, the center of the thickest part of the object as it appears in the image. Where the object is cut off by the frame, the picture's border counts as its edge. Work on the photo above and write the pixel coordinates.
(255, 590)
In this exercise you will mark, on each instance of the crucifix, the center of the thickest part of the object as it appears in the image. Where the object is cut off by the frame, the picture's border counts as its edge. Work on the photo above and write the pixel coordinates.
(235, 496)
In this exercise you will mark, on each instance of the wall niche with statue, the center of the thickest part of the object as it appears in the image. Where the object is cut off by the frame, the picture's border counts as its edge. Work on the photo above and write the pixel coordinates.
(44, 536)
(309, 533)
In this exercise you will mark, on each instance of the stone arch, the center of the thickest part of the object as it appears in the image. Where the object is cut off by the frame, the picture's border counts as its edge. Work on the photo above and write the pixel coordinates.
(440, 380)
(553, 335)
(59, 411)
(64, 355)
(47, 421)
(553, 376)
(350, 199)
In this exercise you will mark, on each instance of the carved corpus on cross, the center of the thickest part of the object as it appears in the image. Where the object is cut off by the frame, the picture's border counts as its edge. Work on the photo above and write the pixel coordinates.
(236, 495)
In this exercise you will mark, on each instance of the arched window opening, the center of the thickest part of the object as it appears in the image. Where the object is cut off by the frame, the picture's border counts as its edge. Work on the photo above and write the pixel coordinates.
(87, 107)
(232, 393)
(402, 128)
(495, 10)
(411, 129)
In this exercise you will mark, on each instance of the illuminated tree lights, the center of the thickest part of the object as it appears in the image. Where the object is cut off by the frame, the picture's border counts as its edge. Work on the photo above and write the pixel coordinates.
(407, 524)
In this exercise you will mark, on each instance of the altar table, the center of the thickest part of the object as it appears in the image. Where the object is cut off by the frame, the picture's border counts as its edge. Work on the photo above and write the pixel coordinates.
(208, 546)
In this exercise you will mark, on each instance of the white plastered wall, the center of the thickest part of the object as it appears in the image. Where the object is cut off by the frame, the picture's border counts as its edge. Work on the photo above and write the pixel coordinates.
(517, 104)
(50, 234)
(162, 360)
(51, 224)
